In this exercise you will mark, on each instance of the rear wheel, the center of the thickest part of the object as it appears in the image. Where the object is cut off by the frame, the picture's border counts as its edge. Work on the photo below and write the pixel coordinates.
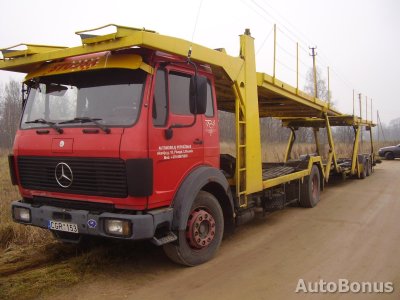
(389, 155)
(203, 235)
(310, 189)
(369, 167)
(363, 173)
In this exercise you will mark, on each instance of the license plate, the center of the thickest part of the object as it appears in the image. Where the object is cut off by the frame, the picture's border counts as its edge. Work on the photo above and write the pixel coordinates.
(63, 226)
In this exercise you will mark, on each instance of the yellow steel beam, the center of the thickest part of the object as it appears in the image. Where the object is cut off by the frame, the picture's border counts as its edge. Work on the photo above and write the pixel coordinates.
(343, 120)
(316, 160)
(278, 88)
(354, 160)
(247, 87)
(332, 152)
(372, 143)
(231, 65)
(21, 50)
(285, 178)
(240, 172)
(289, 145)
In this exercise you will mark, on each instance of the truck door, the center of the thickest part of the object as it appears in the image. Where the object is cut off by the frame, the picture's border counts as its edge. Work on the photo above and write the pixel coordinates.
(175, 135)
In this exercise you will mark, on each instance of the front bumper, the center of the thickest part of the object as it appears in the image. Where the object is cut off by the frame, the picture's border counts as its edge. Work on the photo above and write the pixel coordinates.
(143, 225)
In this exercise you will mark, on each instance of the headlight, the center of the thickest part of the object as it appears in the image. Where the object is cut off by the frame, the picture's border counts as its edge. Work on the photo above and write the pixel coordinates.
(22, 214)
(118, 227)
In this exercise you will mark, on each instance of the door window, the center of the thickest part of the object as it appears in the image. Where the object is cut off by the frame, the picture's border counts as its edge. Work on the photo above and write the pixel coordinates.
(160, 103)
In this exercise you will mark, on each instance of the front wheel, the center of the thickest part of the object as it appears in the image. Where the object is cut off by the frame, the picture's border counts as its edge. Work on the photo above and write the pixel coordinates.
(203, 235)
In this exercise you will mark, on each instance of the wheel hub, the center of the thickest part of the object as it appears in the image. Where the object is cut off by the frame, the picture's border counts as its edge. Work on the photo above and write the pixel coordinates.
(200, 229)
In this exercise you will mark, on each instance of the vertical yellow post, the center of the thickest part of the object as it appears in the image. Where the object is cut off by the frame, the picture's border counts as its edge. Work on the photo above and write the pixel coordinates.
(248, 143)
(372, 143)
(297, 68)
(354, 160)
(274, 75)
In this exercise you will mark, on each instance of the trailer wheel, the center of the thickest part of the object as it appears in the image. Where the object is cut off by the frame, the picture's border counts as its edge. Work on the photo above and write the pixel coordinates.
(363, 174)
(310, 189)
(369, 167)
(203, 235)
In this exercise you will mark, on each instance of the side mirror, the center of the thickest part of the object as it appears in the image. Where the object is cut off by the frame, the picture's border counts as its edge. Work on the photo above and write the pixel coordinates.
(198, 95)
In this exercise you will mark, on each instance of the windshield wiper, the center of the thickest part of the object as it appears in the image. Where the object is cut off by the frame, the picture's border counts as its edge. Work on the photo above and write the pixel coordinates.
(43, 121)
(88, 120)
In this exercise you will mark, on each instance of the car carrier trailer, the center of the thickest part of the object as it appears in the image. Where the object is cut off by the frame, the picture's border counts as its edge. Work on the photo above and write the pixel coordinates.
(359, 165)
(119, 138)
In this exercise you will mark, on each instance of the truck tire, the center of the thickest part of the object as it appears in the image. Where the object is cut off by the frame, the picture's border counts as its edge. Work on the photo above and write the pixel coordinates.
(310, 189)
(389, 155)
(369, 167)
(363, 173)
(203, 235)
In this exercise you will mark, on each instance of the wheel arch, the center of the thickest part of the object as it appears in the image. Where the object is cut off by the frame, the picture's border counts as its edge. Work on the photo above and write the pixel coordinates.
(207, 179)
(226, 202)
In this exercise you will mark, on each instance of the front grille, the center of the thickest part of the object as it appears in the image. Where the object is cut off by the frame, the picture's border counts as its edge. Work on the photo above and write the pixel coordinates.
(91, 176)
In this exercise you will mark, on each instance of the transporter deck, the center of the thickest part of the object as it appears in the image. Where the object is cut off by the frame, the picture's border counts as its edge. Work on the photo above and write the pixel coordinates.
(239, 89)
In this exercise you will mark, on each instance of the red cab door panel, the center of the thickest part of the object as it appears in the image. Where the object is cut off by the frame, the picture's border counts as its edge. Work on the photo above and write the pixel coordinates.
(175, 135)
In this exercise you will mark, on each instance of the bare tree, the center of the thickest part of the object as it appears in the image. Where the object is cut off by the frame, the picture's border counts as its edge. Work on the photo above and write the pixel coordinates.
(322, 87)
(393, 130)
(10, 113)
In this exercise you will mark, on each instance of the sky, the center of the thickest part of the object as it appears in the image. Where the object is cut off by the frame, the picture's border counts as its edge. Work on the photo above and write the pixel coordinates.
(358, 40)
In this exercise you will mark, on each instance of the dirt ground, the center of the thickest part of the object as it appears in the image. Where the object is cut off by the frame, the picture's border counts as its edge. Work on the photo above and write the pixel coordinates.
(352, 234)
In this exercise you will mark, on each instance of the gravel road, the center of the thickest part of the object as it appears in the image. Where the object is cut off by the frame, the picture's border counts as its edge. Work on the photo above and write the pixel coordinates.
(353, 234)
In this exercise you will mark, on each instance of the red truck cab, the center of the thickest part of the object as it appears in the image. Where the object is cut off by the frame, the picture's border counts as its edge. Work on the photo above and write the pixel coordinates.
(121, 144)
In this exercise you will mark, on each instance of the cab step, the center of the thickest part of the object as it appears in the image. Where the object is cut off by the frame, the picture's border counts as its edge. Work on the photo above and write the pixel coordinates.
(168, 238)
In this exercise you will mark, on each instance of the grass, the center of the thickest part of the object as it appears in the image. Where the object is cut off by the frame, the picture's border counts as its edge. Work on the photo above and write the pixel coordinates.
(23, 250)
(29, 272)
(10, 232)
(275, 152)
(42, 271)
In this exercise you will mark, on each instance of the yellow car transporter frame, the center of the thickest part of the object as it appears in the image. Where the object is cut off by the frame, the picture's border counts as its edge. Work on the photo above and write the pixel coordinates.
(240, 89)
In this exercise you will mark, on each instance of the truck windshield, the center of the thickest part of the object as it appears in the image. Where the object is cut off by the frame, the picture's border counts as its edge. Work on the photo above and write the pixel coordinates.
(112, 97)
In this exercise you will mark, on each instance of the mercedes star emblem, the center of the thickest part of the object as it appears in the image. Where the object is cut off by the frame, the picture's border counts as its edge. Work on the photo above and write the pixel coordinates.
(63, 175)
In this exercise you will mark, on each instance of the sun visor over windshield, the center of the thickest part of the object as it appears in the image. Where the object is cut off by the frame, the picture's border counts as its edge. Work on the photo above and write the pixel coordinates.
(104, 60)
